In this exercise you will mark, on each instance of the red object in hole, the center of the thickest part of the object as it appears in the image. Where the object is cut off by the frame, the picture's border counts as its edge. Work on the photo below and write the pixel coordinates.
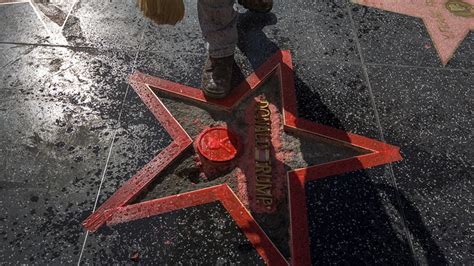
(218, 144)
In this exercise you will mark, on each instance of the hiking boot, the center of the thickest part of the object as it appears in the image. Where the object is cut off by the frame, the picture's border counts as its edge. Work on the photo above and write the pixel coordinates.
(261, 6)
(217, 77)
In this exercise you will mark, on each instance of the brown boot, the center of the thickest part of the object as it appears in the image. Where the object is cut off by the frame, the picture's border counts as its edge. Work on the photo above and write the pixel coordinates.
(217, 77)
(261, 6)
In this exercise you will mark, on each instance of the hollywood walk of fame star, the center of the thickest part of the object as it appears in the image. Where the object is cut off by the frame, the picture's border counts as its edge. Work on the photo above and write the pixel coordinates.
(115, 209)
(448, 21)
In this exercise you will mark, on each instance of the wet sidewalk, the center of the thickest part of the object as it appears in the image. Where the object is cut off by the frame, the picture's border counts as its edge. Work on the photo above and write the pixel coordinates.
(84, 110)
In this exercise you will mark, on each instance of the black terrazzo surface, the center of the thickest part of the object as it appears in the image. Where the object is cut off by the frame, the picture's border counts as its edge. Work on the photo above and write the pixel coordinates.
(354, 219)
(202, 235)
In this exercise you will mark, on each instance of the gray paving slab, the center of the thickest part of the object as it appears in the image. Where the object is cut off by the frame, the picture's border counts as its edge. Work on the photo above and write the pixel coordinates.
(428, 113)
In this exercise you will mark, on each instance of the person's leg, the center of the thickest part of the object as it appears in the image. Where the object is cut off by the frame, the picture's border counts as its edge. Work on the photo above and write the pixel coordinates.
(218, 21)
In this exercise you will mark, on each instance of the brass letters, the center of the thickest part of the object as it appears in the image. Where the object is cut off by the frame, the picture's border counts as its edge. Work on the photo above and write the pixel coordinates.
(263, 162)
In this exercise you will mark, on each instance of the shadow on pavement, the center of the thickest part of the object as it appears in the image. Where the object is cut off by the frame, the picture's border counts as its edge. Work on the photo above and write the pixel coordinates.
(352, 219)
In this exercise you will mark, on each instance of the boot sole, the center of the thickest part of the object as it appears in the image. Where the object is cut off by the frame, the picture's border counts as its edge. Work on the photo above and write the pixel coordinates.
(212, 95)
(266, 10)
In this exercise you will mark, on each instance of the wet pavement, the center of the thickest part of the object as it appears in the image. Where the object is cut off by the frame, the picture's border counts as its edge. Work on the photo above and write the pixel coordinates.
(73, 131)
